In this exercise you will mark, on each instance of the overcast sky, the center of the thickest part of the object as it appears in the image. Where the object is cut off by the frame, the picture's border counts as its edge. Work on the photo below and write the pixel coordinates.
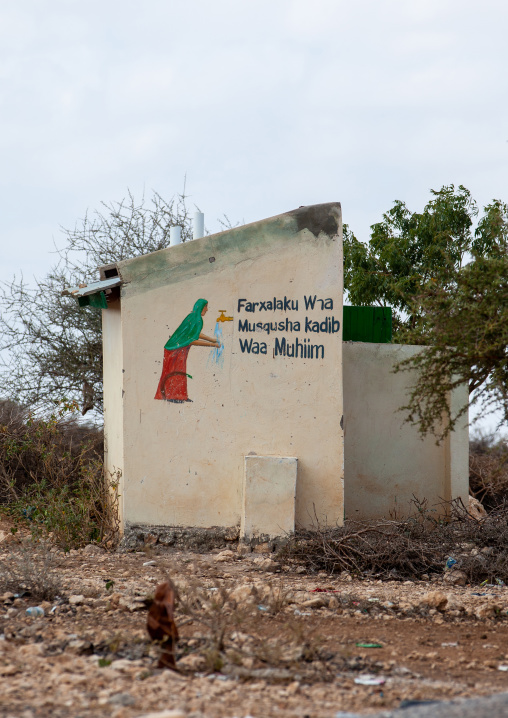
(264, 105)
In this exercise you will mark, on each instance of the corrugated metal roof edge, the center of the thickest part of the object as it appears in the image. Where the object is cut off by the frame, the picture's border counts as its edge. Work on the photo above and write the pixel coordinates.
(84, 290)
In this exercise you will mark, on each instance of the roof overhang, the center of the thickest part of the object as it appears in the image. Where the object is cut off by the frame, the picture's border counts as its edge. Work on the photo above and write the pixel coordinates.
(94, 293)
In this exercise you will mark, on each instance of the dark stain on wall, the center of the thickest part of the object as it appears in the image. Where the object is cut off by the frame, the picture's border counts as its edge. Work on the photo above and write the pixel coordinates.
(317, 218)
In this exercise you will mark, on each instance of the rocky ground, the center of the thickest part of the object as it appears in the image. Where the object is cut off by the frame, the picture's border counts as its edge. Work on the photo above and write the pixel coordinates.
(257, 638)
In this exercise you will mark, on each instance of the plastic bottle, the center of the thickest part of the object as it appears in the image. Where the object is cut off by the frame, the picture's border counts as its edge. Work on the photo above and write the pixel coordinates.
(35, 611)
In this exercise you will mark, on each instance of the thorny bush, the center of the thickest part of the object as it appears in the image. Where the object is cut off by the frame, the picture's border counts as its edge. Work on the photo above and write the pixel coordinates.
(488, 471)
(407, 548)
(229, 620)
(52, 478)
(31, 569)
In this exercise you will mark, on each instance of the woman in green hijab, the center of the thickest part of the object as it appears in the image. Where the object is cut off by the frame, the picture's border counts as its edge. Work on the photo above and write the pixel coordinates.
(173, 382)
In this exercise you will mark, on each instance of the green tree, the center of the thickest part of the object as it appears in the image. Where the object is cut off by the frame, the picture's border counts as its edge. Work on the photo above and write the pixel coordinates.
(51, 350)
(448, 284)
(405, 251)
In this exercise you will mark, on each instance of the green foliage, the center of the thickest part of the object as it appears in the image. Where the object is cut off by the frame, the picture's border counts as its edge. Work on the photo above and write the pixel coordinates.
(406, 250)
(467, 323)
(449, 286)
(52, 479)
(72, 516)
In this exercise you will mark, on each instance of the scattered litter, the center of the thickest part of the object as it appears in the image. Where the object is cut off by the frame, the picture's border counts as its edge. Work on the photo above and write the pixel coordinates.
(53, 609)
(213, 589)
(368, 680)
(302, 613)
(453, 644)
(150, 563)
(2, 636)
(324, 590)
(500, 582)
(450, 562)
(369, 645)
(479, 594)
(373, 600)
(263, 608)
(35, 611)
(502, 668)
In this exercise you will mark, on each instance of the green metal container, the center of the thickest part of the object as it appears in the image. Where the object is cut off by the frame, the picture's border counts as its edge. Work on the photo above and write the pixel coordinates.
(367, 324)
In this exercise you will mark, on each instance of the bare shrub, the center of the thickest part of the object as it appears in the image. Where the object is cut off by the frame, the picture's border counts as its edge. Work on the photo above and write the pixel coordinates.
(50, 348)
(52, 449)
(223, 616)
(52, 478)
(487, 559)
(240, 632)
(408, 548)
(278, 595)
(31, 569)
(488, 471)
(216, 613)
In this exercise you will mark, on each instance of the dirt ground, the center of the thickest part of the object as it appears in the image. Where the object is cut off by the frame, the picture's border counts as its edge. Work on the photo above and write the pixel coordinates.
(256, 638)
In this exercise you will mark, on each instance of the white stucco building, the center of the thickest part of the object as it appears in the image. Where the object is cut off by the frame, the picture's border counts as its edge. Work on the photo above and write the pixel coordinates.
(246, 408)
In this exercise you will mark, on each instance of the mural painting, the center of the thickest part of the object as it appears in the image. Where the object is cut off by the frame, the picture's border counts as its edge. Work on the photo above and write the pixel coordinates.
(217, 356)
(293, 334)
(173, 382)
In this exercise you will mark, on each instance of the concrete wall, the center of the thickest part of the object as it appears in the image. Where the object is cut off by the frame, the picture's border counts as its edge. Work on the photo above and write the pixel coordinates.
(386, 461)
(112, 351)
(183, 464)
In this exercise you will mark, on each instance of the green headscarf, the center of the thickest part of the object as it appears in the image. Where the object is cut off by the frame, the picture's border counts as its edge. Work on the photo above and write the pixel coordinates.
(189, 330)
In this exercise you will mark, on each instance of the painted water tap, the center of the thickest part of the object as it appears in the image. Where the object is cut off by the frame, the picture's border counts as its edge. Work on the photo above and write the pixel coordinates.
(222, 318)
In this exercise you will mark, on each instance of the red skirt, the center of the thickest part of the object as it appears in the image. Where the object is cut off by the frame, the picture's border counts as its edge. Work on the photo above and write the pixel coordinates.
(173, 381)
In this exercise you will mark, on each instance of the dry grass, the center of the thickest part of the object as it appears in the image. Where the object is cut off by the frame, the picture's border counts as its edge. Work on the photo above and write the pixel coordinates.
(31, 570)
